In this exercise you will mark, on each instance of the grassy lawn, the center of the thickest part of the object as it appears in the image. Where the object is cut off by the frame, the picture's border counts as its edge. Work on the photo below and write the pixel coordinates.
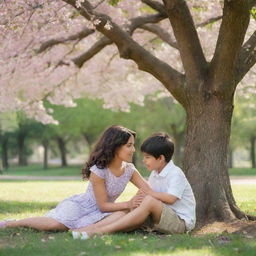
(34, 198)
(242, 171)
(37, 170)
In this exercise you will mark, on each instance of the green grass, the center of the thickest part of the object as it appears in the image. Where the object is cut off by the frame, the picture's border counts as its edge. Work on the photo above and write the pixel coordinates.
(245, 197)
(242, 171)
(32, 243)
(37, 170)
(21, 199)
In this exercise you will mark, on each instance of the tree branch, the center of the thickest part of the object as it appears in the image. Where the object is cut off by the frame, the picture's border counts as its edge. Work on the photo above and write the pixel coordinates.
(247, 58)
(232, 31)
(103, 42)
(166, 37)
(209, 21)
(156, 6)
(78, 36)
(161, 33)
(139, 22)
(191, 52)
(96, 48)
(129, 49)
(142, 20)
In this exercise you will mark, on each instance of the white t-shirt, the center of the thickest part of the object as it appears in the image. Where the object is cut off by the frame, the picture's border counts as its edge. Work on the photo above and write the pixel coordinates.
(173, 181)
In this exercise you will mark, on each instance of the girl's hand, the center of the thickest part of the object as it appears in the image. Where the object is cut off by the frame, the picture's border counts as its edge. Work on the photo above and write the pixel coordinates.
(135, 201)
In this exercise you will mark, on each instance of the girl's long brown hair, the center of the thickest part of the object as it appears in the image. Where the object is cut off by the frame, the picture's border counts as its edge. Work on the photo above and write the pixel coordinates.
(104, 150)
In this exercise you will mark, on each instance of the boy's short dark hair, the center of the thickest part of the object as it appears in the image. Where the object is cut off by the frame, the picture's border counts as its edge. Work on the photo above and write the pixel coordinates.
(158, 144)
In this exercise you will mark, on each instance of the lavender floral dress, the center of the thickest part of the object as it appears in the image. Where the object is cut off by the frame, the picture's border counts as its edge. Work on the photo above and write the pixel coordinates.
(82, 210)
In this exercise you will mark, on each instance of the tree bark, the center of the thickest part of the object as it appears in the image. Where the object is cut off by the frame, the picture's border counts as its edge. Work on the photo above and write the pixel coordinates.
(230, 158)
(46, 147)
(22, 150)
(206, 146)
(178, 142)
(63, 151)
(253, 139)
(5, 161)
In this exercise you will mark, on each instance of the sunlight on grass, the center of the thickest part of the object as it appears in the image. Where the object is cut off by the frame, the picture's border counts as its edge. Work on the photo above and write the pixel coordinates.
(20, 199)
(31, 193)
(245, 197)
(52, 192)
(171, 251)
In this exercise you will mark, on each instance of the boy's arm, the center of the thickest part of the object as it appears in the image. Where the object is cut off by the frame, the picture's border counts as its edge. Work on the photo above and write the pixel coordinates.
(164, 197)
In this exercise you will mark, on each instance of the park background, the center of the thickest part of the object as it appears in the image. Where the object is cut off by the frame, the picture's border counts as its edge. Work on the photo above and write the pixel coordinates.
(60, 54)
(45, 168)
(28, 146)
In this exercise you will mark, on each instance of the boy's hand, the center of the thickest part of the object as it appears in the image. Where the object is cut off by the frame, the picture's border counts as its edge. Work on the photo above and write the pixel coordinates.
(147, 191)
(136, 200)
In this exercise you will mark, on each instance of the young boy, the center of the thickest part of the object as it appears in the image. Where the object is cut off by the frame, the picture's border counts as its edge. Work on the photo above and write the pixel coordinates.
(169, 185)
(169, 207)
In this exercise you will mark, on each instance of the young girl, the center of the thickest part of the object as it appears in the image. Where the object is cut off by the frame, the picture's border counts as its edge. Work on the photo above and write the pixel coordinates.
(108, 170)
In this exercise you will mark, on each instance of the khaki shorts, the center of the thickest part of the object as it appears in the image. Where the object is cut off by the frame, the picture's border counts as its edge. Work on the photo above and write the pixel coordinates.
(170, 222)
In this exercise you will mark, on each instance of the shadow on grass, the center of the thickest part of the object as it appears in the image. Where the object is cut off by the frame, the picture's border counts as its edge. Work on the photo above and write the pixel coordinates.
(10, 207)
(34, 243)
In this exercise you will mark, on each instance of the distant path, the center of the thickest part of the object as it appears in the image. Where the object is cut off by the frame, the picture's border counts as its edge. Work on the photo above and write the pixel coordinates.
(234, 179)
(243, 179)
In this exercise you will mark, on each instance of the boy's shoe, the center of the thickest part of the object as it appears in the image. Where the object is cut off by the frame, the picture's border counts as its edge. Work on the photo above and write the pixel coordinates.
(84, 236)
(76, 235)
(80, 235)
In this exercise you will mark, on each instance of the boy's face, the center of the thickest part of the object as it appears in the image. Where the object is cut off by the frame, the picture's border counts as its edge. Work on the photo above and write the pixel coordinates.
(153, 163)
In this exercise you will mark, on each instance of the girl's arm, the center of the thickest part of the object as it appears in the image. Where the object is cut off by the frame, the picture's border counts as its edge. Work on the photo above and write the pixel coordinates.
(164, 197)
(142, 185)
(100, 193)
(145, 189)
(139, 181)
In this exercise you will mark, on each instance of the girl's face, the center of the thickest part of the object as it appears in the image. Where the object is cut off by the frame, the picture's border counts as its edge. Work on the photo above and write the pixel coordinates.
(125, 152)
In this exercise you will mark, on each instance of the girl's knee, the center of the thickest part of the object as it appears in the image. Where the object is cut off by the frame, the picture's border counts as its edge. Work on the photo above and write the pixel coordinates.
(55, 225)
(149, 200)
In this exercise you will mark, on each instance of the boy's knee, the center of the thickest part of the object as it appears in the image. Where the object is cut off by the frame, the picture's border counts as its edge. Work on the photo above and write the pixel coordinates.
(121, 213)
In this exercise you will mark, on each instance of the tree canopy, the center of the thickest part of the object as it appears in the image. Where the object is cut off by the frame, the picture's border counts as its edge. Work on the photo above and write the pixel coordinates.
(61, 50)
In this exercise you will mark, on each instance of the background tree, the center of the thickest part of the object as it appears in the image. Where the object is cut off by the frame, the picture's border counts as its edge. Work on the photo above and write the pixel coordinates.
(43, 134)
(8, 123)
(25, 128)
(244, 131)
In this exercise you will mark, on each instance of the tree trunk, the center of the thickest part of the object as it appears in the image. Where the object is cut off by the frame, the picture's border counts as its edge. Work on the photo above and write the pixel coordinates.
(178, 140)
(205, 160)
(88, 141)
(46, 146)
(230, 158)
(22, 150)
(63, 151)
(5, 161)
(253, 139)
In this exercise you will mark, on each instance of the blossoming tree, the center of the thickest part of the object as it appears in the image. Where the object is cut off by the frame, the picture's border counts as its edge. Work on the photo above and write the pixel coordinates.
(198, 50)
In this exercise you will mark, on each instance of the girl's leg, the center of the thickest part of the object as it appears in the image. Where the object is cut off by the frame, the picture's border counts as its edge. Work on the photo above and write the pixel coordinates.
(135, 218)
(106, 221)
(40, 223)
